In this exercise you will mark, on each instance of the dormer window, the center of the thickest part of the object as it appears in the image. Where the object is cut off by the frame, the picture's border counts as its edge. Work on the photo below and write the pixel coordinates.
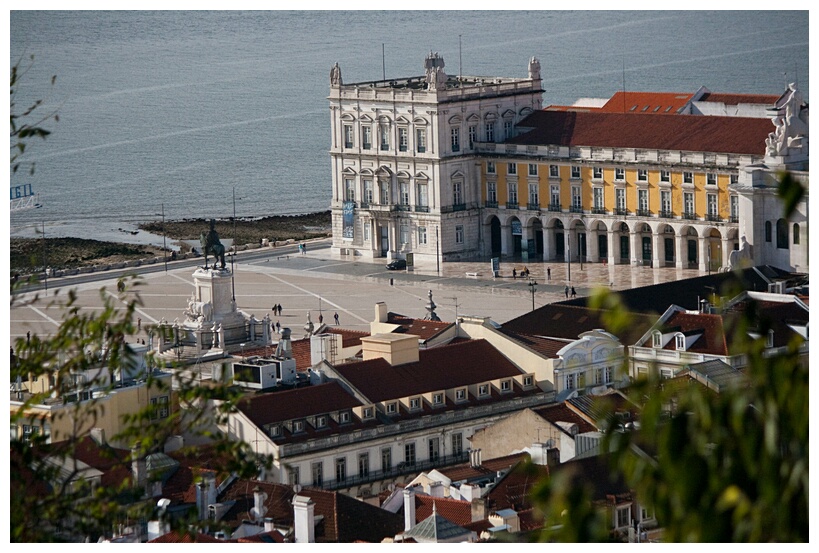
(769, 343)
(460, 394)
(415, 403)
(274, 430)
(344, 416)
(679, 341)
(506, 385)
(437, 399)
(392, 408)
(368, 412)
(483, 390)
(321, 421)
(527, 381)
(657, 340)
(298, 426)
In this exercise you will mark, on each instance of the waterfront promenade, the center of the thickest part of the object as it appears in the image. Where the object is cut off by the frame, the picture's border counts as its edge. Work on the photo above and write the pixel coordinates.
(322, 283)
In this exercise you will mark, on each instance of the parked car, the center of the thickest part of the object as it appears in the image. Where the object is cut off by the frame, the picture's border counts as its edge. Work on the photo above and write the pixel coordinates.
(397, 265)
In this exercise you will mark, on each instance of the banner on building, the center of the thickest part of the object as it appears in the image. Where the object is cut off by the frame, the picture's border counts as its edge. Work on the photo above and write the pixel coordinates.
(347, 220)
(517, 230)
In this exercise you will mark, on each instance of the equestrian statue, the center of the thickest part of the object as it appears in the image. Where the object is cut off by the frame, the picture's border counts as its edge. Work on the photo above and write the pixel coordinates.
(211, 244)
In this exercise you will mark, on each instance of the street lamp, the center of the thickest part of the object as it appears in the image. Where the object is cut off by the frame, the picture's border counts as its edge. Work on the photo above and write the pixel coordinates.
(532, 288)
(243, 350)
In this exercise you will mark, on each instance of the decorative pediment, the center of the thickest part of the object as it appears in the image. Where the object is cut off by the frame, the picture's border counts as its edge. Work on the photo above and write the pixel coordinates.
(401, 120)
(473, 118)
(491, 116)
(420, 121)
(348, 171)
(385, 119)
(526, 111)
(457, 175)
(366, 118)
(455, 120)
(403, 175)
(508, 114)
(384, 171)
(347, 117)
(367, 172)
(420, 175)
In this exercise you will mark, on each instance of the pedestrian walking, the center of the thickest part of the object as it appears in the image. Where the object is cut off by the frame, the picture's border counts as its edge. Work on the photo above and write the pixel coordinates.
(28, 337)
(321, 318)
(566, 290)
(574, 294)
(303, 249)
(278, 327)
(548, 273)
(139, 324)
(514, 274)
(336, 318)
(525, 271)
(280, 310)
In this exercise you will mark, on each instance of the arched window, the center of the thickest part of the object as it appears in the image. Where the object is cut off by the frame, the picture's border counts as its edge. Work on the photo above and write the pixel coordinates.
(795, 233)
(782, 234)
(767, 231)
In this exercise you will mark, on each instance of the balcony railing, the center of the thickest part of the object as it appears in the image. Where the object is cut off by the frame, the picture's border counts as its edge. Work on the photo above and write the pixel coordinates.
(643, 213)
(458, 207)
(491, 204)
(576, 209)
(620, 211)
(555, 207)
(511, 205)
(403, 207)
(365, 205)
(713, 217)
(422, 208)
(533, 206)
(734, 219)
(398, 470)
(690, 215)
(599, 210)
(666, 214)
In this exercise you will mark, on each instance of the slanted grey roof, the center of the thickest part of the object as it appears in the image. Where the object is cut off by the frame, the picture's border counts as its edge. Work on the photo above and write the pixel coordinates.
(717, 374)
(437, 529)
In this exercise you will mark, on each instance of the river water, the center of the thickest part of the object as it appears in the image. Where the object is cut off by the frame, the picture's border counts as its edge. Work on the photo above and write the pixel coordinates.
(183, 111)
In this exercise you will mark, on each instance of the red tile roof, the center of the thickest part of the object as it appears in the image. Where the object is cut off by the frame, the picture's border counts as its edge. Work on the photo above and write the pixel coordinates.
(466, 471)
(561, 412)
(652, 103)
(438, 368)
(349, 338)
(422, 328)
(731, 99)
(709, 326)
(455, 511)
(272, 407)
(737, 135)
(545, 346)
(514, 489)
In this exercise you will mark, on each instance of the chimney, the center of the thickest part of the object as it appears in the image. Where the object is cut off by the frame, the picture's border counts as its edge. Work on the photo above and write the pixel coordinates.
(553, 456)
(409, 509)
(381, 312)
(469, 492)
(475, 457)
(98, 435)
(201, 500)
(304, 519)
(283, 349)
(538, 453)
(436, 489)
(478, 509)
(139, 469)
(268, 525)
(210, 488)
(258, 501)
(396, 349)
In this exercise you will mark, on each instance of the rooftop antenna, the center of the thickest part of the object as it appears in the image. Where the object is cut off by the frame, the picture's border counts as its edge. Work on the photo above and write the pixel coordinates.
(383, 64)
(624, 85)
(460, 60)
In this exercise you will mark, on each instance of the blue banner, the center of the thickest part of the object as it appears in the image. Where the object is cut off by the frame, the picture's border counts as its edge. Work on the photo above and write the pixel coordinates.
(347, 221)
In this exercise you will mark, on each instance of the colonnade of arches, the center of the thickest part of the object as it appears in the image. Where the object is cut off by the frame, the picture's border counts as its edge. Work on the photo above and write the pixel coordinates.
(656, 243)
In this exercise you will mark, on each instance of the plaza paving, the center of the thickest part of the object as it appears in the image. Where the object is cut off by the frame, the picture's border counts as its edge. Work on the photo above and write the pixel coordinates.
(322, 283)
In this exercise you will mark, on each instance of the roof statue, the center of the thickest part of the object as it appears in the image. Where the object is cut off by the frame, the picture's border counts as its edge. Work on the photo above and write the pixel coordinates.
(534, 69)
(436, 77)
(430, 307)
(791, 129)
(335, 76)
(211, 244)
(741, 258)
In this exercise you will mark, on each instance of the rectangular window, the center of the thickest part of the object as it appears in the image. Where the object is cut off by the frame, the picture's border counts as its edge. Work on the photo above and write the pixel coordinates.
(642, 200)
(295, 477)
(409, 454)
(483, 390)
(363, 465)
(344, 417)
(512, 168)
(368, 191)
(457, 443)
(492, 192)
(421, 140)
(554, 171)
(598, 198)
(368, 412)
(608, 375)
(642, 175)
(623, 517)
(688, 204)
(404, 233)
(459, 234)
(620, 198)
(597, 173)
(734, 209)
(554, 199)
(392, 408)
(712, 205)
(576, 203)
(348, 136)
(386, 459)
(403, 139)
(489, 128)
(438, 399)
(575, 171)
(534, 196)
(665, 176)
(298, 426)
(570, 381)
(318, 476)
(455, 139)
(688, 177)
(422, 235)
(341, 469)
(385, 192)
(160, 407)
(385, 137)
(321, 421)
(434, 448)
(366, 138)
(473, 136)
(619, 174)
(403, 192)
(665, 203)
(533, 169)
(513, 193)
(423, 196)
(734, 178)
(457, 198)
(349, 190)
(460, 394)
(711, 178)
(490, 167)
(527, 381)
(508, 130)
(415, 403)
(506, 385)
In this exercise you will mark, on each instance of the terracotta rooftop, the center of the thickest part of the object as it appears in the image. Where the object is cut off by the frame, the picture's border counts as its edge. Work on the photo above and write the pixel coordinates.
(349, 338)
(455, 511)
(736, 135)
(560, 412)
(422, 328)
(545, 346)
(465, 471)
(438, 368)
(264, 409)
(651, 103)
(513, 491)
(709, 327)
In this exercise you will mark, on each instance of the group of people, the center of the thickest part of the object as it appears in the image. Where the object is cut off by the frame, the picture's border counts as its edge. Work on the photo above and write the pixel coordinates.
(335, 316)
(277, 310)
(302, 249)
(523, 274)
(573, 293)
